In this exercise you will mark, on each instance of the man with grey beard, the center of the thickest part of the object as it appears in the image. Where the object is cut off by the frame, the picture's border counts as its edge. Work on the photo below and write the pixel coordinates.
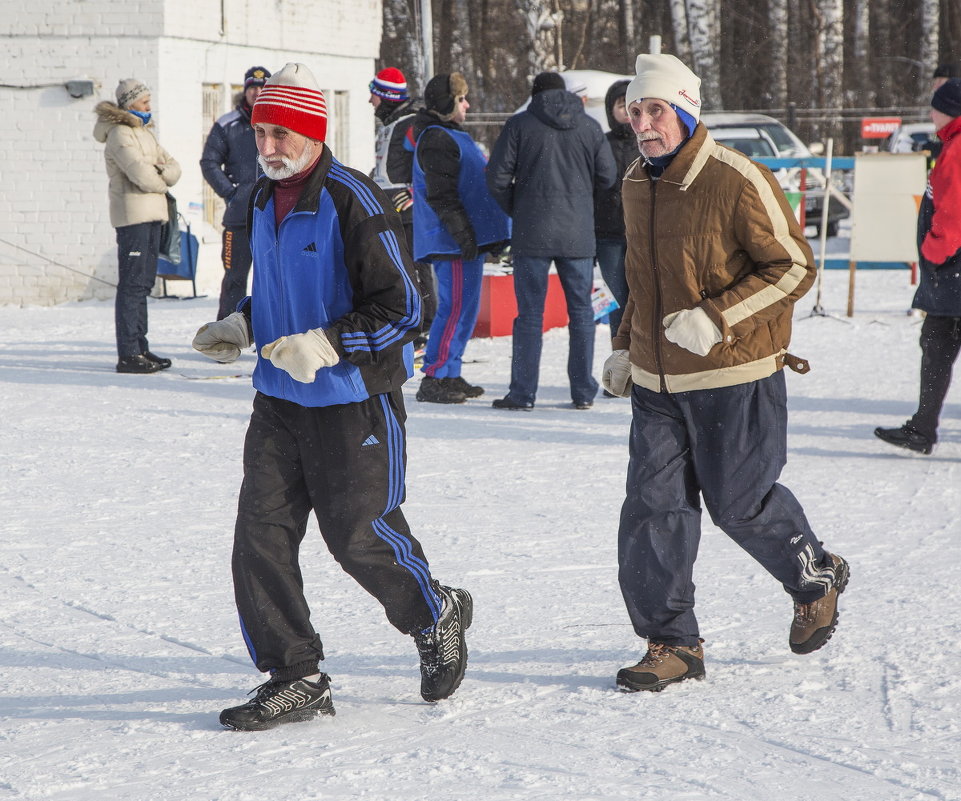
(333, 310)
(715, 262)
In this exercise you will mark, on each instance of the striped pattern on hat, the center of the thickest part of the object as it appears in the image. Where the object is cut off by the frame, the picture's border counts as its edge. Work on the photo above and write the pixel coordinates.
(292, 100)
(390, 84)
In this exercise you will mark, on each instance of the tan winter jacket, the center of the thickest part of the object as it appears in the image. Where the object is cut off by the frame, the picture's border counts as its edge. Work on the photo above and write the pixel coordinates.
(140, 170)
(717, 232)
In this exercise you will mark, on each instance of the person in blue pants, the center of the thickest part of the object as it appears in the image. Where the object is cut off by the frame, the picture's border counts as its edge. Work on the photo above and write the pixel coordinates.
(456, 222)
(545, 167)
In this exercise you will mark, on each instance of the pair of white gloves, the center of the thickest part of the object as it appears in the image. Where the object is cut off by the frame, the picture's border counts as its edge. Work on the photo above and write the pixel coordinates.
(300, 355)
(690, 329)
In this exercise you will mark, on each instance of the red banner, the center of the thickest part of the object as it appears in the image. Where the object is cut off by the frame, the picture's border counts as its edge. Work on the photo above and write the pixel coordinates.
(879, 127)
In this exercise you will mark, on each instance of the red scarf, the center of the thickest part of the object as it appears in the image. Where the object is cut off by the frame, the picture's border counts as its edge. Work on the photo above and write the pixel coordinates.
(288, 192)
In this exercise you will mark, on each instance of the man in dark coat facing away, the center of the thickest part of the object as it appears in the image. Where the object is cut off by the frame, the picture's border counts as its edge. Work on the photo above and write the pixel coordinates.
(543, 171)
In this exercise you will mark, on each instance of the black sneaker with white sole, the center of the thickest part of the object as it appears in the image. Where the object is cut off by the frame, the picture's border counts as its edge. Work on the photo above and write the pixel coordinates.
(279, 702)
(443, 648)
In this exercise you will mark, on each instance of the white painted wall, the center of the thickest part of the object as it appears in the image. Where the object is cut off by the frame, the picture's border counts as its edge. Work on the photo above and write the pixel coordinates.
(53, 185)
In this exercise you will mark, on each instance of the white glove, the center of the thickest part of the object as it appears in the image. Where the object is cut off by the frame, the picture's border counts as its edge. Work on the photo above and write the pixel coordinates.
(223, 340)
(616, 375)
(692, 330)
(301, 355)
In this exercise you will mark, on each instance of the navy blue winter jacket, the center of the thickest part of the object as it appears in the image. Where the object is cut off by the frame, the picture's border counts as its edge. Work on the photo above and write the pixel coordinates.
(543, 171)
(339, 261)
(229, 163)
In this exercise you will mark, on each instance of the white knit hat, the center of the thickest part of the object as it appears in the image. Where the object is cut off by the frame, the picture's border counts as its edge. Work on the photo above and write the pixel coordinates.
(667, 78)
(129, 91)
(292, 99)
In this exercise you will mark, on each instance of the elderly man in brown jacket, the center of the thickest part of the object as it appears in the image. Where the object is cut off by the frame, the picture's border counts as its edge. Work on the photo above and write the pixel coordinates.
(715, 262)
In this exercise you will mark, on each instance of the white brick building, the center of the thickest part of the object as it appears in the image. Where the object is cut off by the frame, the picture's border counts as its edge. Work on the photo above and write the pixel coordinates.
(55, 235)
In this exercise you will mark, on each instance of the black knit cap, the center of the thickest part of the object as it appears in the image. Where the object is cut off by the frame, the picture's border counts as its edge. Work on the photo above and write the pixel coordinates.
(947, 98)
(547, 80)
(950, 69)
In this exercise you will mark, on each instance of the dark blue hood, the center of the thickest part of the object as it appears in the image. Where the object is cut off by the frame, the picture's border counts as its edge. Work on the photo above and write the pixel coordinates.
(557, 108)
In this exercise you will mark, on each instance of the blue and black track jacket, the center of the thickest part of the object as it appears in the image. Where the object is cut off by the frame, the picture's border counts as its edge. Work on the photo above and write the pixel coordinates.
(339, 261)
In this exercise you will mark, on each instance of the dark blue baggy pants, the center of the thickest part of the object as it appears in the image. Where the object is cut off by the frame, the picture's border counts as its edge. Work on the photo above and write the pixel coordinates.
(726, 446)
(137, 249)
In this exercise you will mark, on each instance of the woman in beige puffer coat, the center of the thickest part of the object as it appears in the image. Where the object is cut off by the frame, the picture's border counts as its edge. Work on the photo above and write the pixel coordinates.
(140, 172)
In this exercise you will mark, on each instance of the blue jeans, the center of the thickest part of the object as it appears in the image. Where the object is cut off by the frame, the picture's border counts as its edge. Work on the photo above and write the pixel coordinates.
(610, 258)
(530, 289)
(137, 249)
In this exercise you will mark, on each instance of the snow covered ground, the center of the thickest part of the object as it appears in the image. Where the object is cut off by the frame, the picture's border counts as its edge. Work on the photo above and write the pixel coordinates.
(119, 642)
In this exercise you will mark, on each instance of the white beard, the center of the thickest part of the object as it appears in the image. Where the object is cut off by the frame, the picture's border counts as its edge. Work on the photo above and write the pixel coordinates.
(291, 166)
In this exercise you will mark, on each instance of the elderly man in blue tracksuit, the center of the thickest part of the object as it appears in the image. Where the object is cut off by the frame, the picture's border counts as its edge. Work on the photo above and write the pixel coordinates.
(333, 310)
(229, 165)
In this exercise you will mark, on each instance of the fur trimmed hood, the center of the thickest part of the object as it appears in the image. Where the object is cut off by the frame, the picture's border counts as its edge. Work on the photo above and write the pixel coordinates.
(110, 114)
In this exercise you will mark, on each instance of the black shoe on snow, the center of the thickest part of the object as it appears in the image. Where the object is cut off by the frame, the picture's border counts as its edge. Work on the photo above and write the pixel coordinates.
(137, 364)
(905, 437)
(279, 702)
(443, 648)
(459, 384)
(437, 390)
(153, 357)
(508, 402)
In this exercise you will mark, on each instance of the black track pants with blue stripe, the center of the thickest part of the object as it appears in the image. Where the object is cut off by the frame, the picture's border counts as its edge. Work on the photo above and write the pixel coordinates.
(345, 463)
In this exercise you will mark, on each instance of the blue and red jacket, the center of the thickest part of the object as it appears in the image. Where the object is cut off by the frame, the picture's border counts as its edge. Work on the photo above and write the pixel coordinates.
(338, 261)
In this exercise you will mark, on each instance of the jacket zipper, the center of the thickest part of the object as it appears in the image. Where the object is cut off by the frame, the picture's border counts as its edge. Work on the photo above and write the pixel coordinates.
(655, 322)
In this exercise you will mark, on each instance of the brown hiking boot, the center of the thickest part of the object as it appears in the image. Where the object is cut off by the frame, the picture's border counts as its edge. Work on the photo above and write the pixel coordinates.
(662, 665)
(814, 623)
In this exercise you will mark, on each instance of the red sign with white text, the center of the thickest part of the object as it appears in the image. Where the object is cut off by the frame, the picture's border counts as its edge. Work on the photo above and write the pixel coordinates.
(879, 127)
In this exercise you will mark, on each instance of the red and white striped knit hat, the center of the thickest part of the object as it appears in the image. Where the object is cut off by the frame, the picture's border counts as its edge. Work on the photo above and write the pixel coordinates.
(390, 84)
(292, 100)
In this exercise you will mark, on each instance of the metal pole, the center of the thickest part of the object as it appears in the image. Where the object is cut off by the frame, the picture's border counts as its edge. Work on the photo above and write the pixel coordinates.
(825, 203)
(427, 39)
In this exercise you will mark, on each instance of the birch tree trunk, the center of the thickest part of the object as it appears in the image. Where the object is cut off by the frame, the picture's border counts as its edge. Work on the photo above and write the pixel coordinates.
(831, 83)
(861, 91)
(777, 15)
(461, 42)
(930, 33)
(401, 43)
(541, 24)
(682, 42)
(626, 40)
(702, 19)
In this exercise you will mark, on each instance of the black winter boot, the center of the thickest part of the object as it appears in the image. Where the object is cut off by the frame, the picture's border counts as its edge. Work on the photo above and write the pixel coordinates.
(137, 364)
(437, 390)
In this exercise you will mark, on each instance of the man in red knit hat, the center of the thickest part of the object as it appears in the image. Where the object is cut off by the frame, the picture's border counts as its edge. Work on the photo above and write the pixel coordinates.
(395, 109)
(333, 310)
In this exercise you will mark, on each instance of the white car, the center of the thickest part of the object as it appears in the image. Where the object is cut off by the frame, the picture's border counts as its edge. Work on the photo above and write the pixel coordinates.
(910, 138)
(754, 133)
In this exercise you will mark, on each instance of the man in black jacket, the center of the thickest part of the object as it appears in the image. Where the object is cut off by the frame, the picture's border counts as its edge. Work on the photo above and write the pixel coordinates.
(608, 209)
(544, 170)
(394, 157)
(456, 222)
(229, 165)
